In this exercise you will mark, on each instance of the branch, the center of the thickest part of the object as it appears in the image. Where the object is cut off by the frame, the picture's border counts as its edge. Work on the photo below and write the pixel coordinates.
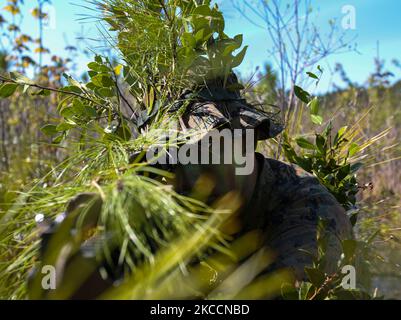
(33, 85)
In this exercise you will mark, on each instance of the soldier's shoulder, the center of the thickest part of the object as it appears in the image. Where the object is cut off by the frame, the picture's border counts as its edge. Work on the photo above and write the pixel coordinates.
(287, 172)
(294, 186)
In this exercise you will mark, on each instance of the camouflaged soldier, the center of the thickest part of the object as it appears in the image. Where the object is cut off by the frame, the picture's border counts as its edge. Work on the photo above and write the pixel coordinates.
(279, 199)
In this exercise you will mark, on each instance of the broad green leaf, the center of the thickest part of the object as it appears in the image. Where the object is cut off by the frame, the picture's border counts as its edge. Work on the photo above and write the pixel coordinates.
(74, 89)
(317, 119)
(41, 92)
(314, 106)
(188, 40)
(98, 59)
(239, 58)
(305, 144)
(102, 81)
(58, 139)
(8, 89)
(92, 73)
(288, 292)
(354, 149)
(302, 95)
(49, 129)
(98, 67)
(84, 110)
(356, 167)
(106, 92)
(339, 135)
(67, 112)
(316, 276)
(65, 126)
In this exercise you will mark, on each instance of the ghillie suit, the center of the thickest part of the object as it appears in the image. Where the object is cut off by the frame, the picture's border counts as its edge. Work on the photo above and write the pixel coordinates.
(295, 216)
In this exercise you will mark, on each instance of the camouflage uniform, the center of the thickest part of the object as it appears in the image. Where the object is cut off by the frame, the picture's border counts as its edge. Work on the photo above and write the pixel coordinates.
(287, 205)
(288, 202)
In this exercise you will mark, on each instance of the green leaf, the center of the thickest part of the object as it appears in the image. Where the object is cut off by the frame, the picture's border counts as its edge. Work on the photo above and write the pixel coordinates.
(316, 276)
(356, 167)
(328, 129)
(41, 92)
(239, 58)
(102, 80)
(339, 135)
(314, 106)
(65, 126)
(49, 129)
(188, 39)
(305, 144)
(74, 89)
(98, 59)
(106, 92)
(349, 248)
(92, 73)
(91, 86)
(58, 139)
(343, 172)
(83, 110)
(124, 132)
(354, 149)
(67, 112)
(341, 131)
(321, 144)
(304, 290)
(288, 292)
(302, 95)
(312, 75)
(316, 119)
(8, 89)
(97, 67)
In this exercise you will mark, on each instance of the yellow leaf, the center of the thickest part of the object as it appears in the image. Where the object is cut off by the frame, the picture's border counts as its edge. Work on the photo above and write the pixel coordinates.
(117, 69)
(14, 10)
(35, 12)
(41, 50)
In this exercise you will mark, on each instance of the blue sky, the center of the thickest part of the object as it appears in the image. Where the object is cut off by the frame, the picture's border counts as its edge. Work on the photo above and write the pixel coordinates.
(375, 21)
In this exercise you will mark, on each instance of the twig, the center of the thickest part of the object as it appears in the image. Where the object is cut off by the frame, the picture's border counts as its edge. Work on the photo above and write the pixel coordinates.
(33, 85)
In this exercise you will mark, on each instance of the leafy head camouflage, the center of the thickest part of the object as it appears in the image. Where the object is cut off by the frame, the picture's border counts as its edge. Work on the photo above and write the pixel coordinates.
(220, 105)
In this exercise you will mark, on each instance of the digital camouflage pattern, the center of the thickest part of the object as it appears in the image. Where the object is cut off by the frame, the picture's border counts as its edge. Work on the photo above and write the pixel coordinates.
(287, 205)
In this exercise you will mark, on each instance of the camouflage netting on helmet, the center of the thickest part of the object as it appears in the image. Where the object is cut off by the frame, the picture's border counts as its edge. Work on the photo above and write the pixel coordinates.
(220, 105)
